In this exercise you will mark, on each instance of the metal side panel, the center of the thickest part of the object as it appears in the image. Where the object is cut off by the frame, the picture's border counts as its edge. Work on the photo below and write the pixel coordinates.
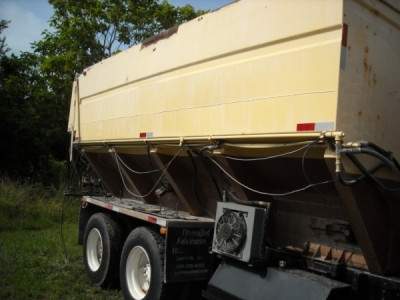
(369, 86)
(241, 70)
(232, 282)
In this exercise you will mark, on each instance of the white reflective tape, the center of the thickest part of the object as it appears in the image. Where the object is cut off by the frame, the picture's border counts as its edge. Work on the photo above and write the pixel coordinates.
(325, 126)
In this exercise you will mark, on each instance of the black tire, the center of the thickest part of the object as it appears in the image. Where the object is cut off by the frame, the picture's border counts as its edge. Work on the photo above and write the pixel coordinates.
(153, 244)
(107, 273)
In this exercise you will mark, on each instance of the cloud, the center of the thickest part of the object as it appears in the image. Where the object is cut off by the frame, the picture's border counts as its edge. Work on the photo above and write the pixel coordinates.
(25, 27)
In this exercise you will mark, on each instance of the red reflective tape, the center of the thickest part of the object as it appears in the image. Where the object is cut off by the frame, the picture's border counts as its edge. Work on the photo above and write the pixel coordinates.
(142, 135)
(152, 219)
(345, 32)
(306, 127)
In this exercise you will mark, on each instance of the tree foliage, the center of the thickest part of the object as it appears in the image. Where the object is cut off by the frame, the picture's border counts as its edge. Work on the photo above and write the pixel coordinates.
(3, 47)
(35, 88)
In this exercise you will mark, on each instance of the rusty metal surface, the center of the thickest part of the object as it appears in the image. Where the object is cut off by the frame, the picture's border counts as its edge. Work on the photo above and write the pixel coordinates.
(335, 255)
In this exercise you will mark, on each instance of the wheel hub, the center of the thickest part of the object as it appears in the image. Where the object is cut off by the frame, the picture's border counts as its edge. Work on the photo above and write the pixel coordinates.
(138, 272)
(94, 249)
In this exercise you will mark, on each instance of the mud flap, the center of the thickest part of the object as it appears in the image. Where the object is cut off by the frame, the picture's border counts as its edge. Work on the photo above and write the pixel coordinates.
(233, 282)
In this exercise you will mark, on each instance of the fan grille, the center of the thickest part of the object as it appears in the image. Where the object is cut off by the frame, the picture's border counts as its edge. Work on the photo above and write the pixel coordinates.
(231, 232)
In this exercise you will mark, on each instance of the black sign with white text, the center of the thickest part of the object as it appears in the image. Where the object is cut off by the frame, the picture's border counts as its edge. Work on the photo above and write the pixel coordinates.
(188, 253)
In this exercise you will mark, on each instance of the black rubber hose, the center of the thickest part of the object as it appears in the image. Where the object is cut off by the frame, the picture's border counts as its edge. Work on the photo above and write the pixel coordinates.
(376, 148)
(353, 181)
(376, 154)
(360, 166)
(396, 163)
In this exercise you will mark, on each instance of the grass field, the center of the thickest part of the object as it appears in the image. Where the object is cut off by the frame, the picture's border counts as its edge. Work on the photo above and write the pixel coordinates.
(32, 260)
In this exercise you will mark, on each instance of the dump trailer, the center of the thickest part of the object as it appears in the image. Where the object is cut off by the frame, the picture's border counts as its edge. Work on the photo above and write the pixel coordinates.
(247, 154)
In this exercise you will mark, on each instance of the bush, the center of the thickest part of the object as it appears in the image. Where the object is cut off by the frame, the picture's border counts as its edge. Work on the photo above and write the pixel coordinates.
(32, 206)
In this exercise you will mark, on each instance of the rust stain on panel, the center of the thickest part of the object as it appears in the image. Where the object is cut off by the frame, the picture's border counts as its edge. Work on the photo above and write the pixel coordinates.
(369, 75)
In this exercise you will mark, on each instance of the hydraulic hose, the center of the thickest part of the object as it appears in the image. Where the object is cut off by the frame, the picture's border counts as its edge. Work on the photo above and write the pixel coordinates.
(385, 158)
(376, 154)
(353, 181)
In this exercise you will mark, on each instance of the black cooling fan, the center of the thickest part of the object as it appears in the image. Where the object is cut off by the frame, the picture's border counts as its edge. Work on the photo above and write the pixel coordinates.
(230, 232)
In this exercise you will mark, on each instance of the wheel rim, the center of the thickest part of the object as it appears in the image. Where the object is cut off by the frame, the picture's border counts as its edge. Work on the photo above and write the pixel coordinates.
(94, 249)
(138, 272)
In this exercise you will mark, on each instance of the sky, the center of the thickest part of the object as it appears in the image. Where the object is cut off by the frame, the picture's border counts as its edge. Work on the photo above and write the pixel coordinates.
(30, 17)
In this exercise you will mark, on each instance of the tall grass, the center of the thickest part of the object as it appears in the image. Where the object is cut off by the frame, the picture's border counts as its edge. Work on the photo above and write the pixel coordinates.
(32, 256)
(32, 206)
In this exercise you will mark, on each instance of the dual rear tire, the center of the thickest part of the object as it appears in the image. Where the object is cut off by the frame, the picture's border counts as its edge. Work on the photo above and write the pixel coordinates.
(141, 266)
(101, 250)
(139, 263)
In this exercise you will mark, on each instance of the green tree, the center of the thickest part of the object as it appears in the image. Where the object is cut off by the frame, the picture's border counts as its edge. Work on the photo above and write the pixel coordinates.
(3, 46)
(167, 15)
(35, 88)
(85, 32)
(26, 117)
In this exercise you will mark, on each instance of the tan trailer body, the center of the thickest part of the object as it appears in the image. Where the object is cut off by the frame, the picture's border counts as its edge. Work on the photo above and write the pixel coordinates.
(253, 67)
